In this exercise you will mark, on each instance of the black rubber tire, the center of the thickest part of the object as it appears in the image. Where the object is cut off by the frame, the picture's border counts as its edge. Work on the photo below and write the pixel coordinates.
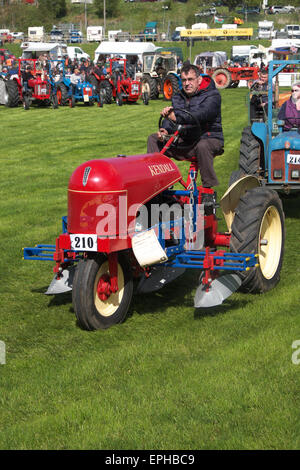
(250, 153)
(72, 102)
(94, 82)
(226, 78)
(26, 102)
(149, 85)
(108, 93)
(88, 308)
(259, 209)
(145, 98)
(170, 86)
(119, 99)
(62, 95)
(54, 101)
(12, 94)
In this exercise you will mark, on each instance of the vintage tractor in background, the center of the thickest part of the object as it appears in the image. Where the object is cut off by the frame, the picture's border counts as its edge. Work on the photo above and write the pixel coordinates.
(68, 94)
(127, 225)
(37, 88)
(215, 65)
(267, 150)
(125, 89)
(160, 75)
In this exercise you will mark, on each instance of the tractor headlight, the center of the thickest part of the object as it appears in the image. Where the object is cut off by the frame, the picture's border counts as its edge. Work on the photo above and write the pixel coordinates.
(277, 174)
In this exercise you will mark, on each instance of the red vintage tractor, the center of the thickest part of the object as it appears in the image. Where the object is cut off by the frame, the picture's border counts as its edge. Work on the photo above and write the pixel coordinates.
(124, 88)
(126, 223)
(34, 85)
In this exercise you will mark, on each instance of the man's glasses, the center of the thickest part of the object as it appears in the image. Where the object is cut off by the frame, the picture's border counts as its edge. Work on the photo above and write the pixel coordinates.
(294, 91)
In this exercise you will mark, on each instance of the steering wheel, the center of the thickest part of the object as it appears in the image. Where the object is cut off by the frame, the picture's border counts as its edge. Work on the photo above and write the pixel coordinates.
(179, 127)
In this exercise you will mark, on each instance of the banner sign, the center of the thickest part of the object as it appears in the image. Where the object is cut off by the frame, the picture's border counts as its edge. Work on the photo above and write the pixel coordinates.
(199, 33)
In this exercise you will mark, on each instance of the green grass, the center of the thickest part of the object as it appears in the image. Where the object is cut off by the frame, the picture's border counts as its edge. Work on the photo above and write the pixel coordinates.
(169, 377)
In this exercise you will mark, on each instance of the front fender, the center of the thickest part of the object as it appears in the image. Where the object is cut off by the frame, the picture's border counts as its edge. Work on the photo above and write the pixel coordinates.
(260, 131)
(231, 198)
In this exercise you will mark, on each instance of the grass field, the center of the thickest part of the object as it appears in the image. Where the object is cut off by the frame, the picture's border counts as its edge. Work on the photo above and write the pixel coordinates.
(169, 377)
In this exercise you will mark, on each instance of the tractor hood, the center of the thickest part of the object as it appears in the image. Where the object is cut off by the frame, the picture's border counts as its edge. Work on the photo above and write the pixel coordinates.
(114, 189)
(280, 141)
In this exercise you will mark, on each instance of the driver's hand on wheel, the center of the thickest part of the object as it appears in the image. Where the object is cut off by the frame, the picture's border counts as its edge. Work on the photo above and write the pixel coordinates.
(169, 113)
(162, 134)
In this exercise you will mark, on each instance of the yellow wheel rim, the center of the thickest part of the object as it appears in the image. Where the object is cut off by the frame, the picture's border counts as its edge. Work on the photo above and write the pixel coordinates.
(270, 242)
(108, 307)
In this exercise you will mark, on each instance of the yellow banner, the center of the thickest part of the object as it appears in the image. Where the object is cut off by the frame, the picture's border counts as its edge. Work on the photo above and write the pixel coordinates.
(198, 33)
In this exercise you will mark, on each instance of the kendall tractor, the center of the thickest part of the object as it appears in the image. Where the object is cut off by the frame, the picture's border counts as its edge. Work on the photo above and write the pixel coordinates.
(134, 225)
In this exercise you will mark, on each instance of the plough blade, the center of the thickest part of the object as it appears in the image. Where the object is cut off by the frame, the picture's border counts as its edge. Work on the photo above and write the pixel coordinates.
(159, 277)
(63, 284)
(219, 290)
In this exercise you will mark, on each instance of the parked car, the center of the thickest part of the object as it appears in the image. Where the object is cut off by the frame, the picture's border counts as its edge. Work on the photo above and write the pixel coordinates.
(274, 10)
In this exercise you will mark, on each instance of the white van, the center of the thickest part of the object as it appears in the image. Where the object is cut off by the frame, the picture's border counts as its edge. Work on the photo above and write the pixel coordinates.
(75, 52)
(94, 33)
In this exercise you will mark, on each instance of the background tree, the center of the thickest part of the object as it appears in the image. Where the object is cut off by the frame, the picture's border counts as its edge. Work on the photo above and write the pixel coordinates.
(112, 8)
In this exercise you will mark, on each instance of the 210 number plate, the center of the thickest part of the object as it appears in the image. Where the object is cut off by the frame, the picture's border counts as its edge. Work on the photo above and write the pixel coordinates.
(83, 242)
(294, 159)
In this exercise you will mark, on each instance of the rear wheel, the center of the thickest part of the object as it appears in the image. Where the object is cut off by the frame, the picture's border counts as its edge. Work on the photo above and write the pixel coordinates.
(62, 95)
(258, 227)
(12, 94)
(95, 310)
(106, 88)
(222, 78)
(170, 86)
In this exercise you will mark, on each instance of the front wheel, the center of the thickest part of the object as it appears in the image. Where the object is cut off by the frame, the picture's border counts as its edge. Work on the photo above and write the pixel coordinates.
(119, 99)
(258, 227)
(94, 310)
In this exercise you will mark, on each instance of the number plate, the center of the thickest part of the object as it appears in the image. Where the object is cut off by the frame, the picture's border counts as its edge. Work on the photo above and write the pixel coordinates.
(83, 242)
(85, 98)
(294, 159)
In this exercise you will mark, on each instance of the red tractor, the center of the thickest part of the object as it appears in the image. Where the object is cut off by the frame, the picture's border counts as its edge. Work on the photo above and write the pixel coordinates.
(214, 65)
(119, 83)
(34, 85)
(126, 223)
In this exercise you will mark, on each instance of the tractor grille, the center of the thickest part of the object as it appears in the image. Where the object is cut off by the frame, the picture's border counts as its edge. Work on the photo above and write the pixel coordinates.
(41, 90)
(87, 91)
(278, 166)
(135, 88)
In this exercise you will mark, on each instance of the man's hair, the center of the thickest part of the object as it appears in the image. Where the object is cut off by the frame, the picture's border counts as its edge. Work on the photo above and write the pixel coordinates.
(188, 68)
(264, 72)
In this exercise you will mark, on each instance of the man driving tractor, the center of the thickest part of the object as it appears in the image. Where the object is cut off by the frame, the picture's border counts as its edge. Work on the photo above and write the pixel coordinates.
(197, 107)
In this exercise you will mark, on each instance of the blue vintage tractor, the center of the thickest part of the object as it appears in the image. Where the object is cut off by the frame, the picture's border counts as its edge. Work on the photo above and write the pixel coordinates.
(270, 149)
(68, 93)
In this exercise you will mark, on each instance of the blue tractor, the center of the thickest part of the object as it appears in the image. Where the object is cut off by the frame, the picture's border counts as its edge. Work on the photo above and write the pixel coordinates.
(68, 93)
(270, 148)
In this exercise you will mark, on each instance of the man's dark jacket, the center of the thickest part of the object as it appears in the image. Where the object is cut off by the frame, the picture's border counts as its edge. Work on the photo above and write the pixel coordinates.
(205, 106)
